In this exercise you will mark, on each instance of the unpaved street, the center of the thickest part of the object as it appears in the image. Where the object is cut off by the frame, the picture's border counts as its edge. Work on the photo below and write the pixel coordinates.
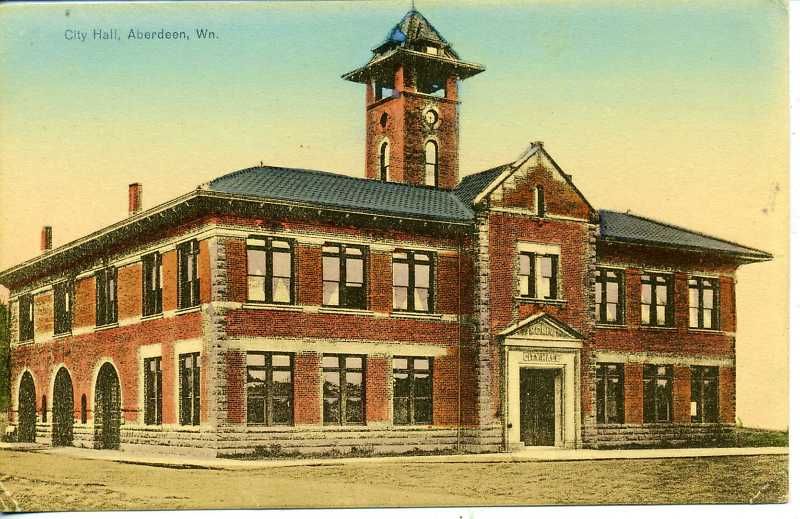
(40, 481)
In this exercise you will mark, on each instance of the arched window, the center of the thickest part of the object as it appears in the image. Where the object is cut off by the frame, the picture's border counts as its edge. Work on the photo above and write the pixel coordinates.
(384, 161)
(83, 409)
(44, 408)
(431, 164)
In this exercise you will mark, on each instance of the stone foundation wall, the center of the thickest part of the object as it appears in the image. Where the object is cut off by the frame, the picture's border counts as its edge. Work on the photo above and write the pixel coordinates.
(655, 435)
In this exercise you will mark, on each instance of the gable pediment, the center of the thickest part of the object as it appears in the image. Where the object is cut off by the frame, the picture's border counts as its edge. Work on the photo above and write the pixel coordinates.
(541, 326)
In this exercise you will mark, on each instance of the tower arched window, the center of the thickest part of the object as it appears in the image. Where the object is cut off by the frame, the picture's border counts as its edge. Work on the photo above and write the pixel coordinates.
(384, 161)
(431, 163)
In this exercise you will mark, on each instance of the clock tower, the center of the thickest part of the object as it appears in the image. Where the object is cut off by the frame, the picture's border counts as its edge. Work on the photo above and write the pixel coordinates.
(412, 105)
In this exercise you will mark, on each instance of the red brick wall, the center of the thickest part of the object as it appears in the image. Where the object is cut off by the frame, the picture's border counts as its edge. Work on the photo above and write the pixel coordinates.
(204, 271)
(81, 355)
(380, 281)
(129, 291)
(169, 290)
(559, 196)
(681, 394)
(378, 388)
(727, 395)
(236, 378)
(634, 390)
(307, 389)
(309, 275)
(43, 313)
(84, 307)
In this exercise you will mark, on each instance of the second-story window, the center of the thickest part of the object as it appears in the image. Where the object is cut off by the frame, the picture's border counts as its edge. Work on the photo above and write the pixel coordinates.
(608, 299)
(62, 307)
(188, 277)
(269, 270)
(431, 163)
(657, 300)
(151, 286)
(26, 317)
(538, 275)
(411, 281)
(106, 296)
(704, 303)
(343, 273)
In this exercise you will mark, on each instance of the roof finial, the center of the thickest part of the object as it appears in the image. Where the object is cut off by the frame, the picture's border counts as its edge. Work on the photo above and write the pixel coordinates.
(413, 8)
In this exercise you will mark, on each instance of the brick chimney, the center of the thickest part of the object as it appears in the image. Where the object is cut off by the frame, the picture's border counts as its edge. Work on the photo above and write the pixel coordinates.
(47, 238)
(134, 198)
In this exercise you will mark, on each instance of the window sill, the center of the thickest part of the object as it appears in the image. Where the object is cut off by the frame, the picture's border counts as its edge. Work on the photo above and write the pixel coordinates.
(537, 301)
(347, 311)
(609, 326)
(109, 326)
(706, 330)
(260, 427)
(416, 315)
(61, 335)
(272, 306)
(659, 328)
(152, 317)
(25, 342)
(344, 427)
(187, 310)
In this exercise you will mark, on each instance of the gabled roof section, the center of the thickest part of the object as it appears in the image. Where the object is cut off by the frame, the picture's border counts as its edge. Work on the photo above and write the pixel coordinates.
(472, 185)
(501, 173)
(626, 227)
(343, 192)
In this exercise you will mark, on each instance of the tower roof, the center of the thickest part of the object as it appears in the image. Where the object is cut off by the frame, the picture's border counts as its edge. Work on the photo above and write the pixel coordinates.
(414, 38)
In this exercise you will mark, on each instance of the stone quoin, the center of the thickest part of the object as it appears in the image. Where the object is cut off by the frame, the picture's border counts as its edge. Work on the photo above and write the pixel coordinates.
(278, 311)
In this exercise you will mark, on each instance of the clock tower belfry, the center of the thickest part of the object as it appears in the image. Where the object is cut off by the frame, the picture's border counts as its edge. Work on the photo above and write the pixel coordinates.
(412, 105)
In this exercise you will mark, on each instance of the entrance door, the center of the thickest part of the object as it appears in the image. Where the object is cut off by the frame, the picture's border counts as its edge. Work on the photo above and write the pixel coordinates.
(26, 418)
(537, 406)
(63, 409)
(106, 409)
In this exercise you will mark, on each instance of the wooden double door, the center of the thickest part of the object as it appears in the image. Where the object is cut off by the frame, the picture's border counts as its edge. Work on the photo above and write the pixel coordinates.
(537, 401)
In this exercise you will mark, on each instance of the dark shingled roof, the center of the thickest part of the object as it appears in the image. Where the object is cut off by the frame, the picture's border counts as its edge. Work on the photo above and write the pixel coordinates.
(627, 227)
(344, 192)
(472, 185)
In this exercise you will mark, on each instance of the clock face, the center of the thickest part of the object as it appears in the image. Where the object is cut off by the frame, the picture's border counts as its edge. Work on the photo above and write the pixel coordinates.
(431, 117)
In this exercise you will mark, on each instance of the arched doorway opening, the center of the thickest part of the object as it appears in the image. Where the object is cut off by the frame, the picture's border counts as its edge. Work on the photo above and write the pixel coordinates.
(106, 408)
(26, 410)
(63, 409)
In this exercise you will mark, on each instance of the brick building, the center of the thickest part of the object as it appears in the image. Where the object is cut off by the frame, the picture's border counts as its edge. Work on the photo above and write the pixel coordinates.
(289, 310)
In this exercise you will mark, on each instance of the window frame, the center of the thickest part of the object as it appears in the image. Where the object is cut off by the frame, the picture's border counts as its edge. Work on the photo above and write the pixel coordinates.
(651, 279)
(434, 165)
(538, 201)
(699, 394)
(411, 399)
(189, 394)
(602, 376)
(153, 392)
(188, 289)
(152, 296)
(268, 402)
(532, 288)
(601, 307)
(713, 283)
(26, 325)
(411, 261)
(269, 270)
(63, 301)
(106, 304)
(650, 407)
(345, 292)
(344, 396)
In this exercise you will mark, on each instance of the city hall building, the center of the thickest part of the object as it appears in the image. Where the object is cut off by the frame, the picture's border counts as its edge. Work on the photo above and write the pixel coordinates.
(278, 310)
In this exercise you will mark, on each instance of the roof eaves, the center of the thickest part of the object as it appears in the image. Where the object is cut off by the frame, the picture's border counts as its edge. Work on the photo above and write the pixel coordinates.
(749, 258)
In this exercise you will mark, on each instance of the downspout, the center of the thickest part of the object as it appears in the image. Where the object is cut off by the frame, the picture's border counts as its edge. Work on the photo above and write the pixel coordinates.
(458, 361)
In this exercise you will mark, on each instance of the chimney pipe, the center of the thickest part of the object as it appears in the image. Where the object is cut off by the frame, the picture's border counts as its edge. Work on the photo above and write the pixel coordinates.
(47, 238)
(134, 198)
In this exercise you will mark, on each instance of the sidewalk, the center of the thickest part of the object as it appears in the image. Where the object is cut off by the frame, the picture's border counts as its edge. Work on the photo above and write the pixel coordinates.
(525, 456)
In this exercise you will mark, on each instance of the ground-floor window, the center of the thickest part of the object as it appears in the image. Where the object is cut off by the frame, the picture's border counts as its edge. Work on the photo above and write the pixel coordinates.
(343, 389)
(610, 398)
(657, 393)
(705, 394)
(152, 391)
(189, 366)
(413, 390)
(269, 388)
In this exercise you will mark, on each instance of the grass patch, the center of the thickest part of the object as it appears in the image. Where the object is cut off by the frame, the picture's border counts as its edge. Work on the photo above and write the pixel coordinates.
(747, 437)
